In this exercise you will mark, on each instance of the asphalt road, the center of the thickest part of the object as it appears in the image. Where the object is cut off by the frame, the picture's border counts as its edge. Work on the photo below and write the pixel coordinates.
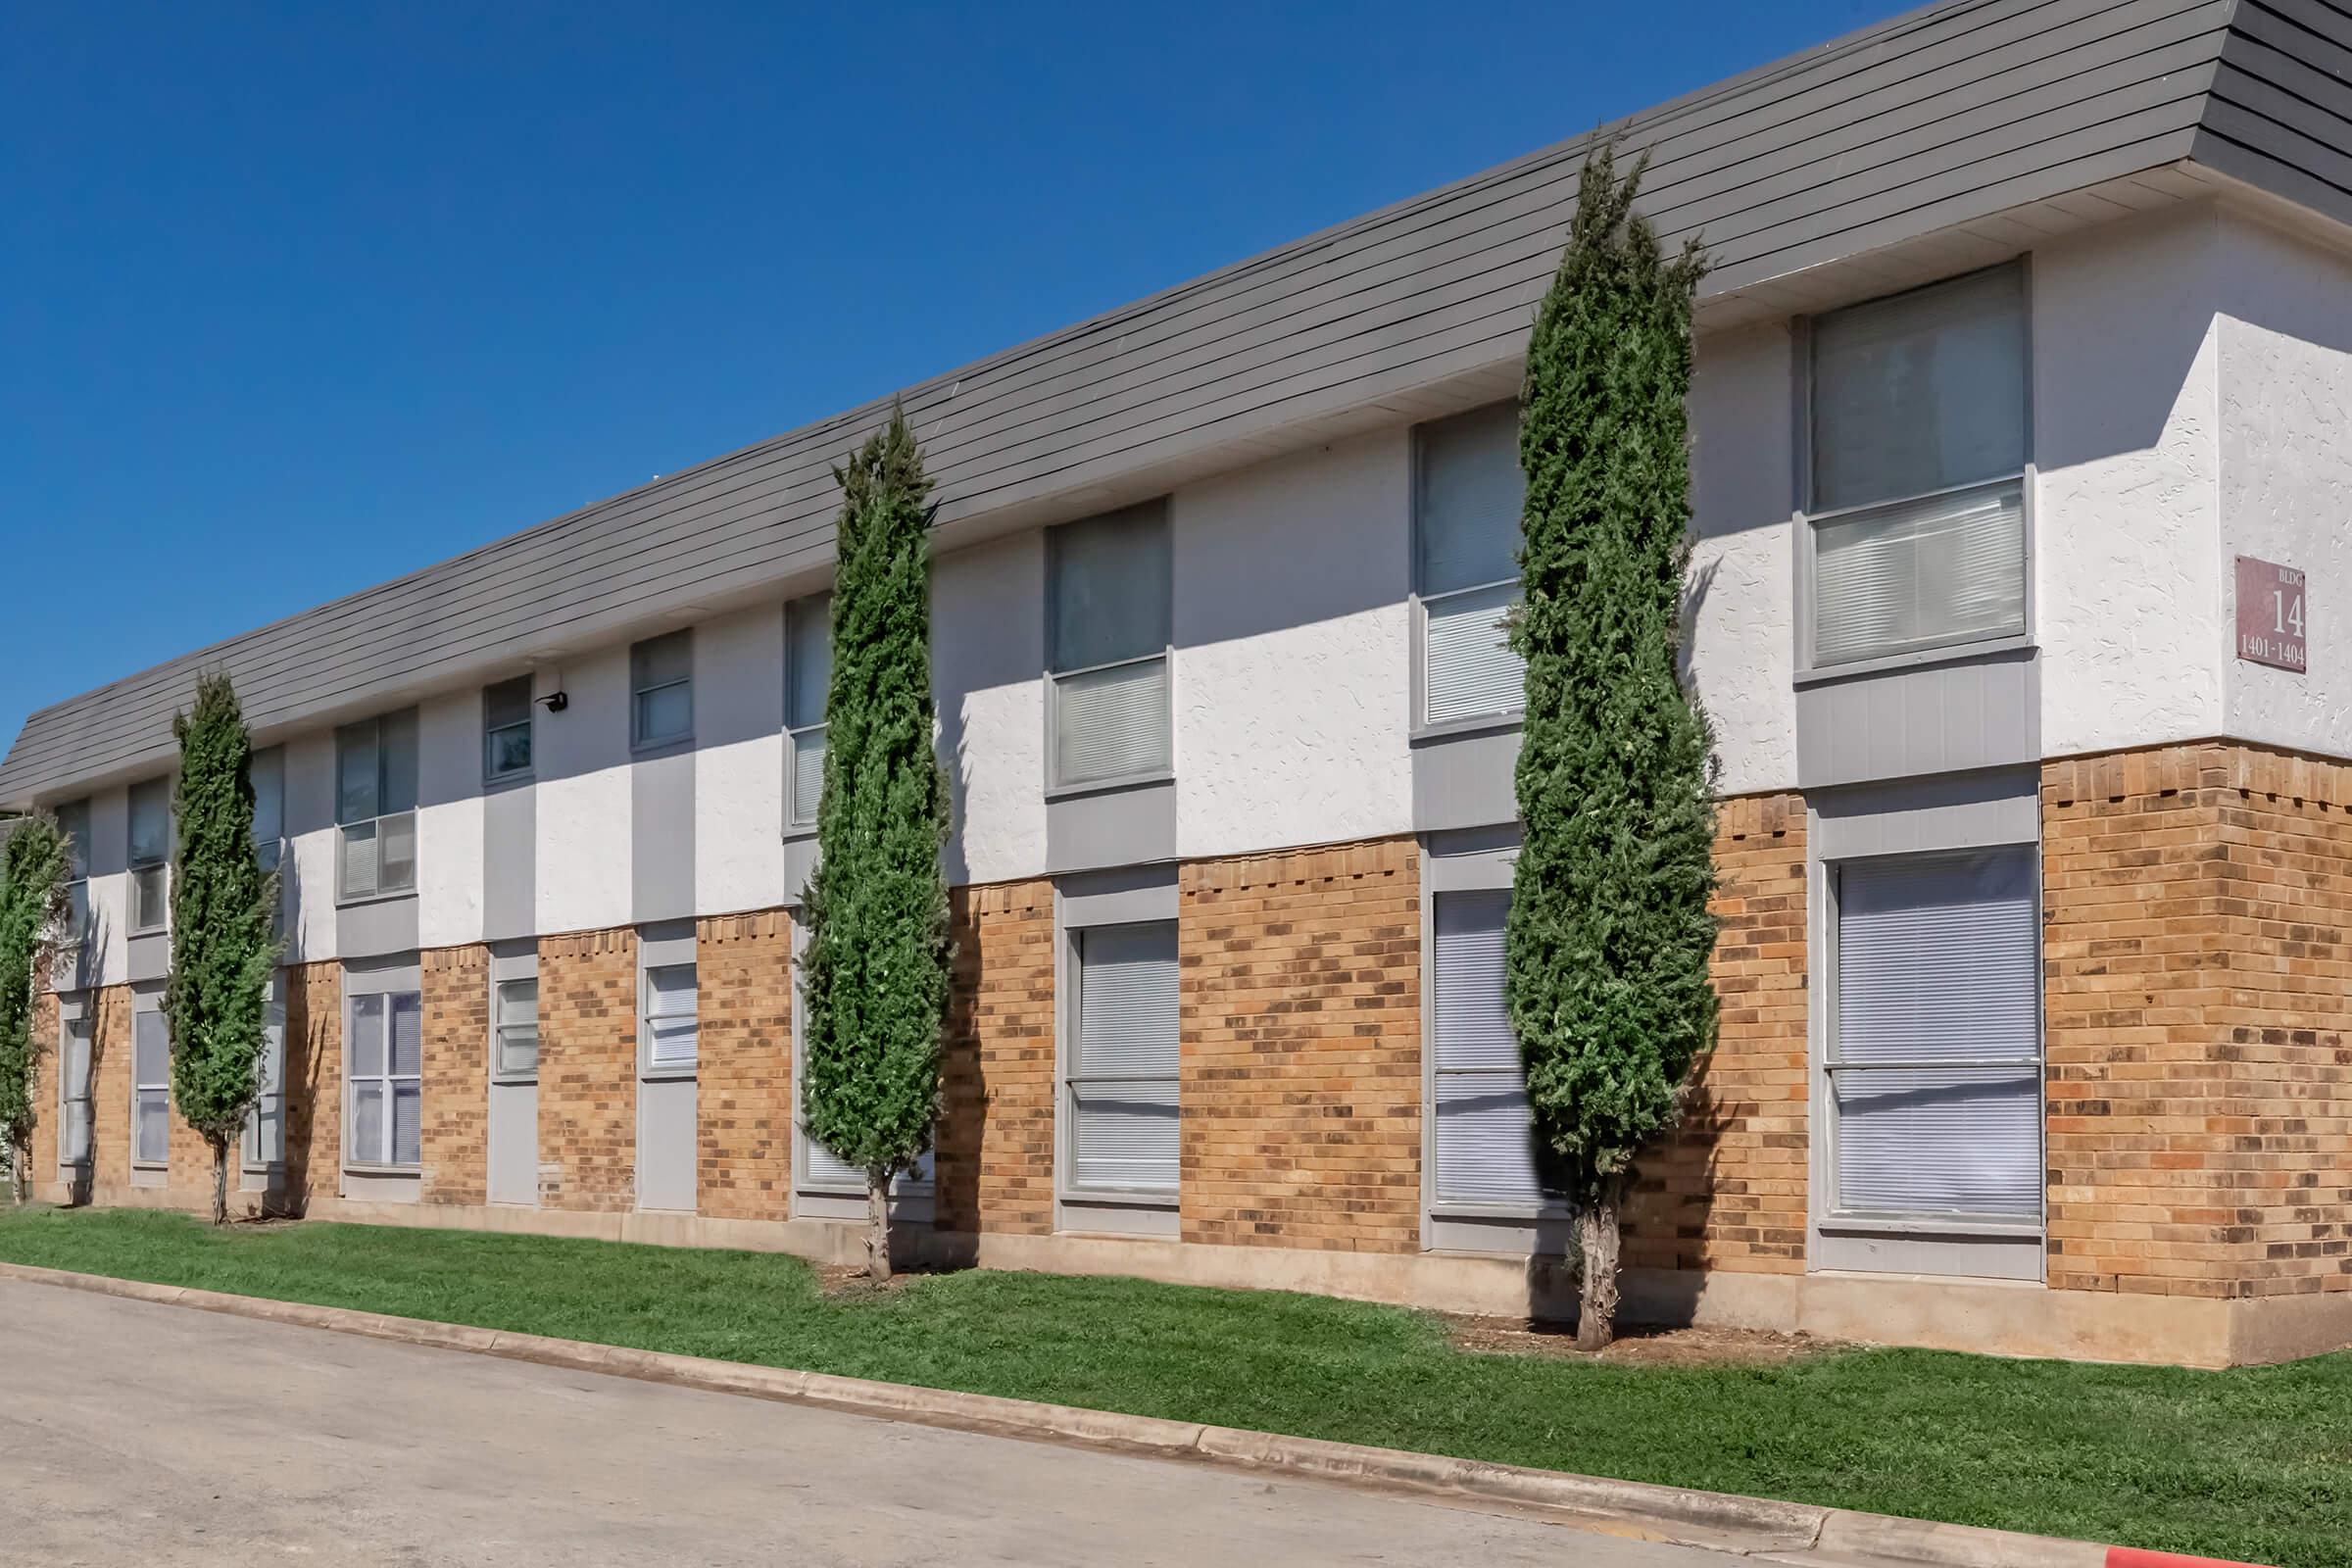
(138, 1434)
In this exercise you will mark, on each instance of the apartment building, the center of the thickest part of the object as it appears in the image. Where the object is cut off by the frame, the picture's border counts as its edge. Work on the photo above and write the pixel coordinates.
(2024, 500)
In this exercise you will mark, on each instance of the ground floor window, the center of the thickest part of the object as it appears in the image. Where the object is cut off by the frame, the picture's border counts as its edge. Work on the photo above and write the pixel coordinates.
(1485, 1132)
(73, 1092)
(150, 1088)
(266, 1123)
(514, 1029)
(1935, 1058)
(816, 1168)
(671, 1031)
(385, 1052)
(1120, 1070)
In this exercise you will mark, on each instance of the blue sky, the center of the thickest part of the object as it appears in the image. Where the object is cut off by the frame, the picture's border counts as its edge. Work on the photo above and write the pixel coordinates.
(294, 299)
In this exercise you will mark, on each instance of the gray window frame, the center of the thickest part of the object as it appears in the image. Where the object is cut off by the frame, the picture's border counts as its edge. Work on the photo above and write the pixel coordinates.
(272, 1071)
(73, 821)
(1420, 599)
(269, 850)
(135, 923)
(74, 1012)
(139, 1087)
(493, 777)
(639, 688)
(796, 822)
(389, 988)
(1057, 788)
(344, 896)
(1808, 670)
(664, 954)
(1082, 903)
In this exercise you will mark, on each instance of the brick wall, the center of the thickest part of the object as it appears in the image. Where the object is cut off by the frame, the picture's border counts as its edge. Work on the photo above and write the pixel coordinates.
(1728, 1190)
(1301, 989)
(47, 1041)
(2195, 900)
(743, 1099)
(995, 1136)
(109, 1087)
(456, 1093)
(588, 1070)
(314, 1081)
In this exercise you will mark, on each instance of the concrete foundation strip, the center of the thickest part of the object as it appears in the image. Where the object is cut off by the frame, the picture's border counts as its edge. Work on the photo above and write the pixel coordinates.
(1776, 1531)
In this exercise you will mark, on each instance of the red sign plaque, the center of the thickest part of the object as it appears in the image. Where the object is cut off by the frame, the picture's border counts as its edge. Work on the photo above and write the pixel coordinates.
(2271, 617)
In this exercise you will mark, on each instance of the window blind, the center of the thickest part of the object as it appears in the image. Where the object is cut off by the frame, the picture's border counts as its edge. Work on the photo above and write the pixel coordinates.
(1923, 391)
(808, 773)
(507, 728)
(1469, 496)
(1937, 1064)
(76, 1082)
(1112, 722)
(662, 678)
(1469, 670)
(808, 659)
(1484, 1131)
(1920, 574)
(517, 1027)
(1123, 1089)
(151, 1073)
(150, 850)
(1111, 588)
(670, 1034)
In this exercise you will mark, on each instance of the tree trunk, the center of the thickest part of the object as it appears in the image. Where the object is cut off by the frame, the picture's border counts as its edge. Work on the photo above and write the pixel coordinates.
(877, 1224)
(20, 1174)
(1596, 1239)
(220, 1182)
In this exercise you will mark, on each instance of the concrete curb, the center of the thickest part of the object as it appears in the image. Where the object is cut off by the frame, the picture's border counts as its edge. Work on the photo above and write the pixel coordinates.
(1786, 1532)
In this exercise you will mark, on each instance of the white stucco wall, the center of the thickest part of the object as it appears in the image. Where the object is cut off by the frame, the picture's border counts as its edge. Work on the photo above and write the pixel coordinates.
(2285, 378)
(449, 820)
(582, 765)
(2126, 530)
(988, 655)
(1742, 495)
(739, 761)
(1292, 653)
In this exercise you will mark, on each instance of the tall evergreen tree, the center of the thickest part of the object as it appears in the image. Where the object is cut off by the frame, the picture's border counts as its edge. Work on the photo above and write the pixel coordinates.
(1610, 933)
(874, 981)
(32, 921)
(224, 929)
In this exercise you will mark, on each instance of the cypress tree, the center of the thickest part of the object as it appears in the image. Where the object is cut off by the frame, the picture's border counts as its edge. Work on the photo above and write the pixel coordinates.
(32, 919)
(1610, 934)
(224, 929)
(874, 978)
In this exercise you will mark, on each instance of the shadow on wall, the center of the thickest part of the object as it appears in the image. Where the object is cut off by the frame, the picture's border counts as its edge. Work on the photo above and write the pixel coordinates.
(305, 1077)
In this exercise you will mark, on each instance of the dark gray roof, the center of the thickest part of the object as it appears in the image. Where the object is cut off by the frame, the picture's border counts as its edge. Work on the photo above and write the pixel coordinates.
(1935, 119)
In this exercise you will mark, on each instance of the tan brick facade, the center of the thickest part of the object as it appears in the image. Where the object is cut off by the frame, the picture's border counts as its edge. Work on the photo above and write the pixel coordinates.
(314, 1081)
(1728, 1191)
(588, 1070)
(1300, 1065)
(109, 1087)
(454, 1127)
(2198, 991)
(996, 1137)
(41, 1150)
(743, 1097)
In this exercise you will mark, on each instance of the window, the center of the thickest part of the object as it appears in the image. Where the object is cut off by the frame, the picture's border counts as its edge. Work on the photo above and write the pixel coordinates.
(507, 730)
(150, 1089)
(1935, 1059)
(1123, 1083)
(385, 1051)
(807, 673)
(150, 855)
(269, 773)
(1467, 497)
(514, 1029)
(73, 821)
(1485, 1136)
(1917, 512)
(662, 688)
(375, 807)
(1110, 622)
(669, 1022)
(266, 1123)
(74, 1094)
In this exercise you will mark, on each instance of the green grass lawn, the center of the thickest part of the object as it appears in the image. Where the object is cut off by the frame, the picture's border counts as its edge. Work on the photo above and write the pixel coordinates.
(2252, 1464)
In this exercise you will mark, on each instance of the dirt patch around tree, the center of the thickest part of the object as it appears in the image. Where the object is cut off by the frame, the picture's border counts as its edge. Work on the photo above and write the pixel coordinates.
(1638, 1346)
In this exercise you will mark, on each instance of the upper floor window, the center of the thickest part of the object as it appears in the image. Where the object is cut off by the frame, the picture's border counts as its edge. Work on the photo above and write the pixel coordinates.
(73, 821)
(1109, 620)
(150, 855)
(1917, 455)
(507, 730)
(807, 673)
(375, 807)
(662, 689)
(1467, 497)
(269, 773)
